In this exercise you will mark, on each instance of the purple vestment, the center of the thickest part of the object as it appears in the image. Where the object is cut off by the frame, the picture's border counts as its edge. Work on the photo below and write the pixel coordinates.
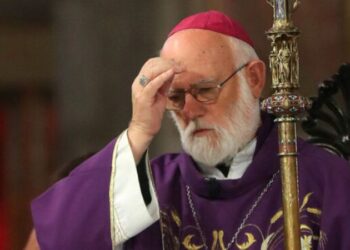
(324, 181)
(74, 213)
(80, 219)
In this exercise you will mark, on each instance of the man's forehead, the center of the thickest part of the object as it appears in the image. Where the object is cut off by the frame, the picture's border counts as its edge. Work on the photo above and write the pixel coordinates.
(196, 46)
(197, 37)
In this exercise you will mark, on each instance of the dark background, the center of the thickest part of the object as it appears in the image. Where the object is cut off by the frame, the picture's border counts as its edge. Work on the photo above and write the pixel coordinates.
(66, 68)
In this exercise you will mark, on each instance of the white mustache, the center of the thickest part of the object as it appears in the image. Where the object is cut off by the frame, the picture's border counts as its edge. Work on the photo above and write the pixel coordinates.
(196, 125)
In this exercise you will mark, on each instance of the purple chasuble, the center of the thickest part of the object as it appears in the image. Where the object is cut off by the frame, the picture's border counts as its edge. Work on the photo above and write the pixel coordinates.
(74, 213)
(234, 217)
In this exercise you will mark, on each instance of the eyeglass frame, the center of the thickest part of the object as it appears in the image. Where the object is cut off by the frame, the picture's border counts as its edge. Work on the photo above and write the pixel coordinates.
(219, 86)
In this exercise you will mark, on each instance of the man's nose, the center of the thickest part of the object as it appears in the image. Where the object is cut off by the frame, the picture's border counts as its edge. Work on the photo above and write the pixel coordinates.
(192, 108)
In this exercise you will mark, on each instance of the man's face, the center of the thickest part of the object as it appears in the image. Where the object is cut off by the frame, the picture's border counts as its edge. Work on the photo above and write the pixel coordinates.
(208, 59)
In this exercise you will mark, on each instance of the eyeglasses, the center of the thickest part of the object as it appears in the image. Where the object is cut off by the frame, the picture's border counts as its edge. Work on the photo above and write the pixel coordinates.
(203, 94)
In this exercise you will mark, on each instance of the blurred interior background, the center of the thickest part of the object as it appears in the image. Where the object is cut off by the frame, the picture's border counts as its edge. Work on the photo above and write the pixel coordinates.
(66, 68)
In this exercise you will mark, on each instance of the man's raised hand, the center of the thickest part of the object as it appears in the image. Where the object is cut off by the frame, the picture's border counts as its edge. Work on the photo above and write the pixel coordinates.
(149, 102)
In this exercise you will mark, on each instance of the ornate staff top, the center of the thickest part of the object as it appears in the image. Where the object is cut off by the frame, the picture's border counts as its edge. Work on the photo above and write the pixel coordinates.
(284, 62)
(283, 10)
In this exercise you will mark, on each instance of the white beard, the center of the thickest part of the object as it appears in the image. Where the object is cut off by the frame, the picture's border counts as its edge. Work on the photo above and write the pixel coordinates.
(241, 122)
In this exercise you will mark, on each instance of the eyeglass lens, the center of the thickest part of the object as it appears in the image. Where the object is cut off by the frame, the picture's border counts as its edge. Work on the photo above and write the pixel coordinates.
(176, 99)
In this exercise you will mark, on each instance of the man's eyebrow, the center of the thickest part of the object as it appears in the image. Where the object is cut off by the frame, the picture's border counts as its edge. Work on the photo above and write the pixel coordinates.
(203, 81)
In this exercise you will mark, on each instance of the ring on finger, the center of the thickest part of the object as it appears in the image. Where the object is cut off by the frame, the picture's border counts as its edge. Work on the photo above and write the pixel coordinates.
(144, 80)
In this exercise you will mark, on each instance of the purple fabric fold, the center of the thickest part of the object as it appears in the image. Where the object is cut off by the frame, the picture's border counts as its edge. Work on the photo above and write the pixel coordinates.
(74, 213)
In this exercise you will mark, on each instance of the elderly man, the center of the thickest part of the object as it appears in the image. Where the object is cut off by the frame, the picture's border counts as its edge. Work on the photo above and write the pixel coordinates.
(224, 191)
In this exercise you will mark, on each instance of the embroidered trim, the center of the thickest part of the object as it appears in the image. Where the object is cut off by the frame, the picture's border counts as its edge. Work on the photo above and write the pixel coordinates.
(117, 233)
(241, 226)
(150, 174)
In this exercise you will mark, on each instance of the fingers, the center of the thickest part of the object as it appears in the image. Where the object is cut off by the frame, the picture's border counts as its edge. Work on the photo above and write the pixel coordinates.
(160, 81)
(155, 77)
(156, 66)
(149, 102)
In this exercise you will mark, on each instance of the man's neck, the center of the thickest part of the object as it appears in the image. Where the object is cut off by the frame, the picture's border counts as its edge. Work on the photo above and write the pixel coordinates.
(234, 168)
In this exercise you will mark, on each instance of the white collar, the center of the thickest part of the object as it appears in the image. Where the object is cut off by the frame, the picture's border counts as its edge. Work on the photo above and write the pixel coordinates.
(238, 165)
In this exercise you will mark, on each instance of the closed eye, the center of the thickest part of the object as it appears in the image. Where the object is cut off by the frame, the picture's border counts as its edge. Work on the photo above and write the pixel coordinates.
(175, 96)
(205, 90)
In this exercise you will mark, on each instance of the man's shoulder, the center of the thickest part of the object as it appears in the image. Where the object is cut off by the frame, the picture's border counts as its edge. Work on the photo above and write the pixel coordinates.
(319, 161)
(169, 158)
(169, 164)
(101, 160)
(309, 151)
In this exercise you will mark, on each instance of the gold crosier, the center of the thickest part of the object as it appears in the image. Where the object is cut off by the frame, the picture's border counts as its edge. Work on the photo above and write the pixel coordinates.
(286, 106)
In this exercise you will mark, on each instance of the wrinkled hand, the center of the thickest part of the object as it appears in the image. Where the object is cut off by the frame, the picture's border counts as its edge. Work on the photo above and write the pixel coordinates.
(149, 102)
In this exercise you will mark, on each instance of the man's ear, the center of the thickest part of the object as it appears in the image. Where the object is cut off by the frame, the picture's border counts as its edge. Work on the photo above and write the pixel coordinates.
(256, 76)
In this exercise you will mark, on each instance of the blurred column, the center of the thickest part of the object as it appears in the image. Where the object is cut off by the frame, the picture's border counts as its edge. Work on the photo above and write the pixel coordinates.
(347, 28)
(100, 47)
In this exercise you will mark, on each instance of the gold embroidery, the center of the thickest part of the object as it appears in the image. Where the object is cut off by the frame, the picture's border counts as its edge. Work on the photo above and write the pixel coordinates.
(218, 237)
(221, 240)
(215, 240)
(254, 234)
(314, 211)
(250, 241)
(170, 238)
(117, 233)
(265, 244)
(188, 245)
(315, 238)
(276, 216)
(305, 201)
(305, 227)
(306, 242)
(176, 217)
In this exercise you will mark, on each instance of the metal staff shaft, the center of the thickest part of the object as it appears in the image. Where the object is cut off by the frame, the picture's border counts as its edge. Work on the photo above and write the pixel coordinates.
(289, 175)
(286, 106)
